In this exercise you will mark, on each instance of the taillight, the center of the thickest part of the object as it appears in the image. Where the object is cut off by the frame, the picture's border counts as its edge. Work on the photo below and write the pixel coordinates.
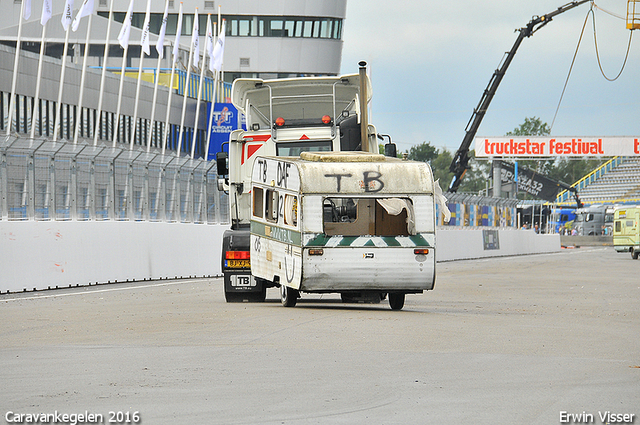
(279, 121)
(238, 255)
(421, 251)
(326, 119)
(316, 252)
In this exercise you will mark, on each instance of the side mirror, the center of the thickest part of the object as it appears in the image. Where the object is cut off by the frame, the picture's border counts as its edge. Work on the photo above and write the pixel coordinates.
(390, 150)
(222, 159)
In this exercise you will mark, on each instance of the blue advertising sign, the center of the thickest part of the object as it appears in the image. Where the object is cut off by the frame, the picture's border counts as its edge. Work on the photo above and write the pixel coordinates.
(226, 118)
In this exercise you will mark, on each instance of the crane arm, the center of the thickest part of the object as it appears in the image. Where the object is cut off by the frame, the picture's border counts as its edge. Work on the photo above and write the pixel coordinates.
(460, 162)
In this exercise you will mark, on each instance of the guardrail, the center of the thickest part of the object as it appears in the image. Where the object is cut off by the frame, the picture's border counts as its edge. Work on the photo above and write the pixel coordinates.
(45, 180)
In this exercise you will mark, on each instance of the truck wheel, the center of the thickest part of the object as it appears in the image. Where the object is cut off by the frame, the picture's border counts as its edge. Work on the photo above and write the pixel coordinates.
(396, 301)
(288, 296)
(634, 255)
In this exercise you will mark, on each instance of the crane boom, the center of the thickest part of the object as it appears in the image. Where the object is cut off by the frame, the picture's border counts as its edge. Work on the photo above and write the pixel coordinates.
(460, 162)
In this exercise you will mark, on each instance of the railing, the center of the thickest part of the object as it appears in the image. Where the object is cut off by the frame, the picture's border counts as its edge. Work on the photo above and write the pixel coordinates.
(45, 180)
(565, 196)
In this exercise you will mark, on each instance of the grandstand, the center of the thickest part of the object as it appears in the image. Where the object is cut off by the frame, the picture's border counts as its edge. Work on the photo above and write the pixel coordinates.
(616, 182)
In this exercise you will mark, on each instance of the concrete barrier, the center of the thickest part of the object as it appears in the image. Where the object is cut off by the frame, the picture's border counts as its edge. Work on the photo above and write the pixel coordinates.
(568, 240)
(37, 255)
(464, 243)
(49, 254)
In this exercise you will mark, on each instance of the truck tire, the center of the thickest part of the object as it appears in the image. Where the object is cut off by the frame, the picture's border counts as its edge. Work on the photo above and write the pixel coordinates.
(288, 296)
(634, 254)
(396, 300)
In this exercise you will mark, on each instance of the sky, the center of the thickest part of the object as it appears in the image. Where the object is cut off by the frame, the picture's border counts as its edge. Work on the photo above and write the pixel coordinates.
(430, 62)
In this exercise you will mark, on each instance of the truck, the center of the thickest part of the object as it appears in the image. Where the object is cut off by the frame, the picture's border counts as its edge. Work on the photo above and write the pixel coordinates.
(626, 230)
(284, 118)
(559, 219)
(355, 223)
(590, 221)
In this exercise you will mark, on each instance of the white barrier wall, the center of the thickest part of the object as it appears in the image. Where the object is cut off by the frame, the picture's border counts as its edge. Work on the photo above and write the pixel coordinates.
(49, 254)
(464, 244)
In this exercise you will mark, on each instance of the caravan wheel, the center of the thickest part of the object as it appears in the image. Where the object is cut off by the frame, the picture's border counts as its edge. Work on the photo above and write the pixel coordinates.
(396, 301)
(288, 296)
(634, 254)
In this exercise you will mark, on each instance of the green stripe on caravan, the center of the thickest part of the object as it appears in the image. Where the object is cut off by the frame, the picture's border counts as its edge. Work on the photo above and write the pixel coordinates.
(276, 233)
(362, 241)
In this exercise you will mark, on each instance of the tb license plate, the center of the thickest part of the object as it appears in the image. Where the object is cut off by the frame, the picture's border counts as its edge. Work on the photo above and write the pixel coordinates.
(239, 264)
(242, 280)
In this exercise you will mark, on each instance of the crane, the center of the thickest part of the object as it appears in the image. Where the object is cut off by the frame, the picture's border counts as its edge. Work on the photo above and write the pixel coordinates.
(460, 162)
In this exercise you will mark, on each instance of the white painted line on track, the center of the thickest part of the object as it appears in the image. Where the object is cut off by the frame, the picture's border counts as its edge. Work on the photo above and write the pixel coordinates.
(97, 291)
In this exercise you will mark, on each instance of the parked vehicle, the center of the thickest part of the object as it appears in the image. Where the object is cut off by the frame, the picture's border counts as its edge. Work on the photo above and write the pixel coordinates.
(626, 230)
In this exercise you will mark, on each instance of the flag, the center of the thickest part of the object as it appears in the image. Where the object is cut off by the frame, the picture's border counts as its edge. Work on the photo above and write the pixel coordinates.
(144, 41)
(125, 31)
(46, 12)
(26, 13)
(163, 31)
(66, 15)
(195, 39)
(218, 50)
(176, 45)
(208, 45)
(85, 10)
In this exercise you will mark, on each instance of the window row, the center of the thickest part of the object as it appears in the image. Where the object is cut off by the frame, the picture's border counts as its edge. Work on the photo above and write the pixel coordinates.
(245, 26)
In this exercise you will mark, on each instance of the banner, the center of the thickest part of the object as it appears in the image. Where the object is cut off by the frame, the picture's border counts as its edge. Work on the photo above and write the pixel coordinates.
(529, 181)
(225, 120)
(556, 146)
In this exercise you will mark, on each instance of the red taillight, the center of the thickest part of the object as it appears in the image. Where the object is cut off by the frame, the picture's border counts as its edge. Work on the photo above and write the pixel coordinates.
(421, 251)
(279, 121)
(326, 119)
(238, 255)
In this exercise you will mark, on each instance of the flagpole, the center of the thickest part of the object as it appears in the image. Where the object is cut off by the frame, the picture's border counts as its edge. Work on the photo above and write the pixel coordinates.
(184, 100)
(204, 57)
(213, 96)
(160, 50)
(15, 72)
(144, 42)
(36, 98)
(186, 90)
(176, 47)
(102, 77)
(125, 45)
(66, 19)
(84, 71)
(217, 54)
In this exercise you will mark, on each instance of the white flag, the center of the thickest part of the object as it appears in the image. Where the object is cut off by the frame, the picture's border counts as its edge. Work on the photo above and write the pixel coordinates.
(125, 31)
(163, 31)
(195, 39)
(26, 13)
(66, 15)
(85, 10)
(218, 50)
(176, 45)
(46, 12)
(144, 41)
(208, 46)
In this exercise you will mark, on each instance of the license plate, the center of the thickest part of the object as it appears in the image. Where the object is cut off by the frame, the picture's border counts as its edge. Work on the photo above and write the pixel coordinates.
(239, 264)
(242, 280)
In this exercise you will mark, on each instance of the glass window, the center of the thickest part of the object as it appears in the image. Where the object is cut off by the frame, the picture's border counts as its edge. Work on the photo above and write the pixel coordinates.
(324, 28)
(289, 27)
(295, 148)
(271, 206)
(299, 25)
(316, 29)
(290, 210)
(275, 28)
(308, 29)
(244, 28)
(258, 195)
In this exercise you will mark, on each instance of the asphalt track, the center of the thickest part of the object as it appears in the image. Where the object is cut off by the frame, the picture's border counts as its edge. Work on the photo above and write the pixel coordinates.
(519, 340)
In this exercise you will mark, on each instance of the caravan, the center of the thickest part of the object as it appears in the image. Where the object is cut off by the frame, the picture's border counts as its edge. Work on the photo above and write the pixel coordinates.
(354, 223)
(626, 230)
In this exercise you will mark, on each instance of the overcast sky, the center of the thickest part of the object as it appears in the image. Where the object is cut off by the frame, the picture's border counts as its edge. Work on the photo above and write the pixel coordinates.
(431, 61)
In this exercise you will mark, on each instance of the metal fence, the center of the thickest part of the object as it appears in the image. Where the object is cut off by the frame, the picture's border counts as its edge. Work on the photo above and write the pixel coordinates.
(45, 180)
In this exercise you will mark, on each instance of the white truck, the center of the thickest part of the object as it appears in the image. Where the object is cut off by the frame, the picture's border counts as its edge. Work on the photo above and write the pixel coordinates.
(359, 224)
(285, 118)
(626, 230)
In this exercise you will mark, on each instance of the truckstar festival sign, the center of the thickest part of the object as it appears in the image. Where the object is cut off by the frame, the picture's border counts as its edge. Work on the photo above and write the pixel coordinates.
(556, 146)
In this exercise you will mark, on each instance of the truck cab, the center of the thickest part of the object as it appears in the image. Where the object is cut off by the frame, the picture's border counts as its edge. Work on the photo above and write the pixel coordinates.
(284, 118)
